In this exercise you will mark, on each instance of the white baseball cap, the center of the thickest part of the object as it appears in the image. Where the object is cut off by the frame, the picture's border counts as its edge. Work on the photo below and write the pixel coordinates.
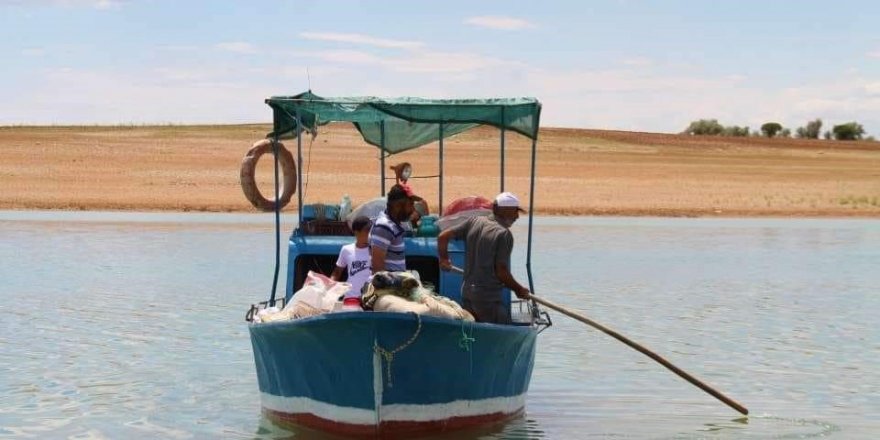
(508, 200)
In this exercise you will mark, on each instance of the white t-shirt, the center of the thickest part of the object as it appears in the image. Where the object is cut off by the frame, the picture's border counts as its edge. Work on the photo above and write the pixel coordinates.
(357, 262)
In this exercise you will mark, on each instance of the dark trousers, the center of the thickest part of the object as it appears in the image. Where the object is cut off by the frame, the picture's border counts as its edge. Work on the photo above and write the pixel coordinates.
(485, 305)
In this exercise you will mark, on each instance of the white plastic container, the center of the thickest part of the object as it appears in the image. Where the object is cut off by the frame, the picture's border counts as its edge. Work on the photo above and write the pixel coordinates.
(344, 207)
(370, 209)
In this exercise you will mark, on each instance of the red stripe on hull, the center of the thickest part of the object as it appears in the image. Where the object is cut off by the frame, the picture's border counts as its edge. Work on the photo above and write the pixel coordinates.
(388, 429)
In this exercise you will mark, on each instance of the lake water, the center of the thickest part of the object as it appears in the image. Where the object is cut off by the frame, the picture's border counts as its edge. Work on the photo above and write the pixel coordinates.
(131, 325)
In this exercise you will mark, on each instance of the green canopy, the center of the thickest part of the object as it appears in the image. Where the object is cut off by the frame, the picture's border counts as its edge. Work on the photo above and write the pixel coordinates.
(407, 122)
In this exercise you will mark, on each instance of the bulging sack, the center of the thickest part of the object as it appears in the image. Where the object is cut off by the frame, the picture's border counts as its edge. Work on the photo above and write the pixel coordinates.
(319, 294)
(453, 220)
(402, 292)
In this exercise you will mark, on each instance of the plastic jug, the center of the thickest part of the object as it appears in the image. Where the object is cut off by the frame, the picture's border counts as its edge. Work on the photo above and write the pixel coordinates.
(344, 207)
(428, 227)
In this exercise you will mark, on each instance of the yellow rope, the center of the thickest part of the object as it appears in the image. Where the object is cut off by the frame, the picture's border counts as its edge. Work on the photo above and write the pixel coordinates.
(388, 356)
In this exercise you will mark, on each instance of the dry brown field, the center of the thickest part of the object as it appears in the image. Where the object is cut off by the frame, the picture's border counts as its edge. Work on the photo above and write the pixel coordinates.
(580, 172)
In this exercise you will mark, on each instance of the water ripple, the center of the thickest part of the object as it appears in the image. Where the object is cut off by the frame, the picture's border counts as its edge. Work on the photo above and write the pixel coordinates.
(130, 331)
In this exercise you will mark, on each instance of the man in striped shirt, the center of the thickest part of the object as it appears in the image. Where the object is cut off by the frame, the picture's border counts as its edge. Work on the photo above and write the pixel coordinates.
(386, 236)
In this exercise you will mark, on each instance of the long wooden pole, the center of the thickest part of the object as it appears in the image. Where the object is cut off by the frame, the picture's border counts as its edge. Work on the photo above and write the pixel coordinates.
(683, 374)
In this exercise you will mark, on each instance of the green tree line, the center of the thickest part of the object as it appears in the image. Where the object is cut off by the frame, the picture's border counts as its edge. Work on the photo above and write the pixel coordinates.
(850, 131)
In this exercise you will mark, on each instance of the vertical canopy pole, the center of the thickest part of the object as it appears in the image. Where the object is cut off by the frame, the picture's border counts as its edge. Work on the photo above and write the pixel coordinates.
(531, 213)
(382, 154)
(275, 150)
(440, 205)
(299, 177)
(503, 125)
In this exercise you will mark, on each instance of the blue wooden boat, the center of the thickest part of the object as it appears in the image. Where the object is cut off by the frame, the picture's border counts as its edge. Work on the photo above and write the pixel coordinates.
(380, 374)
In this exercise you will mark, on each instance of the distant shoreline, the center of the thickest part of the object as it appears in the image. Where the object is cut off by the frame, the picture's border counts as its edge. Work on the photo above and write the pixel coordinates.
(177, 168)
(291, 210)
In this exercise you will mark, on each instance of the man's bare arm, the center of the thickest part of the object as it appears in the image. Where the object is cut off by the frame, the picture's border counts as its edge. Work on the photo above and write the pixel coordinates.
(337, 273)
(443, 249)
(377, 258)
(506, 278)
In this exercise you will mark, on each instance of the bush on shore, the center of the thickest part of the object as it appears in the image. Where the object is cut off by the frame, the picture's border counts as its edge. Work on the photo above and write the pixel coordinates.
(850, 131)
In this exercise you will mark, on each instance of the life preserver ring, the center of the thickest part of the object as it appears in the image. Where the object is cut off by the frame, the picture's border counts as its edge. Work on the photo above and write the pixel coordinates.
(248, 169)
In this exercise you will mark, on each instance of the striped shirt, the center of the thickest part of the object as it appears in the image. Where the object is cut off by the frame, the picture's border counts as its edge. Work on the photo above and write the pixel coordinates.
(387, 234)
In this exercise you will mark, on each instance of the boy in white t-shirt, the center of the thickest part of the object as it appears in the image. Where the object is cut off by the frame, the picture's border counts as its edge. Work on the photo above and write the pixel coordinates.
(355, 259)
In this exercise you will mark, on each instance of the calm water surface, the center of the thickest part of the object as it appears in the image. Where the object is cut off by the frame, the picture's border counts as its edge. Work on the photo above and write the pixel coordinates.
(127, 325)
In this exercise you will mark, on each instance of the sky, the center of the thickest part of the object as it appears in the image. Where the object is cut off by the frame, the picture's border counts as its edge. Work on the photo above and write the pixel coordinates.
(606, 64)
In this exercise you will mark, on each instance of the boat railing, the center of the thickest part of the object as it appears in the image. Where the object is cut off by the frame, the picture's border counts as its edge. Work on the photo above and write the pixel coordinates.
(325, 227)
(527, 313)
(262, 305)
(522, 312)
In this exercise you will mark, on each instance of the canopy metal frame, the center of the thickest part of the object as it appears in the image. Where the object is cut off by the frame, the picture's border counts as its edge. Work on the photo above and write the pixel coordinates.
(297, 116)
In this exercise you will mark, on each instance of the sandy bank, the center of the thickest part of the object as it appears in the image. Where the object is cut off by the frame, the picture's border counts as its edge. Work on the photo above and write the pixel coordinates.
(188, 168)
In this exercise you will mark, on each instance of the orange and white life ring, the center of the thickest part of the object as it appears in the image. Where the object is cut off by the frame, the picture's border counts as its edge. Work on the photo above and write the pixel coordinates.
(248, 170)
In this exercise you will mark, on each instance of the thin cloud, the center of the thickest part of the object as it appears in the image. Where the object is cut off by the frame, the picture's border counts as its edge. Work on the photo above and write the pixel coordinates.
(33, 52)
(178, 74)
(343, 57)
(610, 98)
(499, 23)
(444, 62)
(178, 48)
(632, 100)
(97, 4)
(106, 4)
(95, 96)
(638, 62)
(303, 72)
(348, 57)
(872, 89)
(422, 62)
(361, 39)
(607, 81)
(237, 47)
(874, 54)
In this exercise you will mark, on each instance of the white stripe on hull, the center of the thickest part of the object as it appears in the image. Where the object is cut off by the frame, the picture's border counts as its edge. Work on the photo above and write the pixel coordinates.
(396, 412)
(458, 408)
(328, 411)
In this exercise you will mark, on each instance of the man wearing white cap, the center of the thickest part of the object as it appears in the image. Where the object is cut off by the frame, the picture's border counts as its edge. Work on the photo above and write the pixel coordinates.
(488, 244)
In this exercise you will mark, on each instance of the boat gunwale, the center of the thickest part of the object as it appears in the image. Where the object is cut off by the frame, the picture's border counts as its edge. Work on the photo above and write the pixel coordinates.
(373, 315)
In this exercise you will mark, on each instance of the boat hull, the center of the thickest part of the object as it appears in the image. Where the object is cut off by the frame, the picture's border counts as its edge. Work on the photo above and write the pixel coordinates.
(391, 374)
